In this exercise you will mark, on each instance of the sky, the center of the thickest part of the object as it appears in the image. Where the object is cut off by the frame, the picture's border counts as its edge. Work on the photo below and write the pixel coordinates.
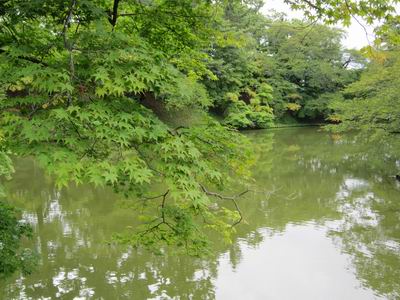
(356, 36)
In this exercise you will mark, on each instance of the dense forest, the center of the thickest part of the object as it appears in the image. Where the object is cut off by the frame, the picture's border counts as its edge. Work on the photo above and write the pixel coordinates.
(145, 96)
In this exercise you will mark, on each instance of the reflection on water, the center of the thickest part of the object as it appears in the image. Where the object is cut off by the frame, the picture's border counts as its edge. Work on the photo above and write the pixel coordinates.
(326, 226)
(299, 264)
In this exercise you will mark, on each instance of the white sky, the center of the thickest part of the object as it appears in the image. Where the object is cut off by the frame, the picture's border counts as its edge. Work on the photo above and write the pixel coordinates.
(356, 35)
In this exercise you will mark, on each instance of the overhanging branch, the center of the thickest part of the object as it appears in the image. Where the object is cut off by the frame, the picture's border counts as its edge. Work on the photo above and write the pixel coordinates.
(230, 198)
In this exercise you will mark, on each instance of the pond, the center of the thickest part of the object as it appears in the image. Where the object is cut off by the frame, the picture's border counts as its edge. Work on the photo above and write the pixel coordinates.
(323, 224)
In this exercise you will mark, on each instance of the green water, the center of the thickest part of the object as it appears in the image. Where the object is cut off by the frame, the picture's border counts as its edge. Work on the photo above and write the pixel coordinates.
(324, 224)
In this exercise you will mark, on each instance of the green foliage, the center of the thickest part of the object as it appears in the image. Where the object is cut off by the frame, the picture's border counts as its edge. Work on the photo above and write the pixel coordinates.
(307, 67)
(240, 115)
(239, 90)
(289, 66)
(6, 167)
(12, 256)
(372, 104)
(256, 114)
(333, 11)
(12, 231)
(82, 84)
(320, 106)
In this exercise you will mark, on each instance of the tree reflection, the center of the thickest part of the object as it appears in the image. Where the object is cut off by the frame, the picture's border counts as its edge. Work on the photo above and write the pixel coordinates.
(301, 176)
(347, 179)
(370, 232)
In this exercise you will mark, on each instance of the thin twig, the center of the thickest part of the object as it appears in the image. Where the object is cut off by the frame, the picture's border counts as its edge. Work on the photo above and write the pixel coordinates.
(362, 25)
(155, 197)
(240, 213)
(231, 198)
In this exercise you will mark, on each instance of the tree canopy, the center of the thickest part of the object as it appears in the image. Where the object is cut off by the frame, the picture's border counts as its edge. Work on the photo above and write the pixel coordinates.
(371, 104)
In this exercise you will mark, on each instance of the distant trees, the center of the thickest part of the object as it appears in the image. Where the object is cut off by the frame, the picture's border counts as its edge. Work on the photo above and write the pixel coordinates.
(274, 68)
(372, 104)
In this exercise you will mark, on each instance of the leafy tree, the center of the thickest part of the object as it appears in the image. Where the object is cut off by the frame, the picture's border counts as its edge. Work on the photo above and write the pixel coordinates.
(307, 67)
(80, 81)
(333, 11)
(239, 90)
(299, 67)
(12, 230)
(371, 104)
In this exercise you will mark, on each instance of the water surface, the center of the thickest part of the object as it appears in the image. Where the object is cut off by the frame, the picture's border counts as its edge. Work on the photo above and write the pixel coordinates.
(324, 224)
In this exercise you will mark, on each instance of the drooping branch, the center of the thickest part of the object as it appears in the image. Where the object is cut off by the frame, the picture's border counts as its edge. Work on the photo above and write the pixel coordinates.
(239, 211)
(356, 19)
(164, 198)
(311, 28)
(163, 217)
(346, 63)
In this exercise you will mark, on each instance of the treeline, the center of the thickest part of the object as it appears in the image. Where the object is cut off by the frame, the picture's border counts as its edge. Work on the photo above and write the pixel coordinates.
(371, 105)
(278, 70)
(288, 71)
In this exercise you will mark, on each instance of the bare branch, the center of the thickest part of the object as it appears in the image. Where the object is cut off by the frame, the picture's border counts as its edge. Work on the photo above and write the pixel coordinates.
(156, 197)
(164, 198)
(222, 197)
(163, 218)
(354, 17)
(240, 213)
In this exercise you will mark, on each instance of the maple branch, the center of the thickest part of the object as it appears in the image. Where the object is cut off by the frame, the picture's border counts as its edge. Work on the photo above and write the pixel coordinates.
(231, 198)
(145, 160)
(239, 211)
(163, 218)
